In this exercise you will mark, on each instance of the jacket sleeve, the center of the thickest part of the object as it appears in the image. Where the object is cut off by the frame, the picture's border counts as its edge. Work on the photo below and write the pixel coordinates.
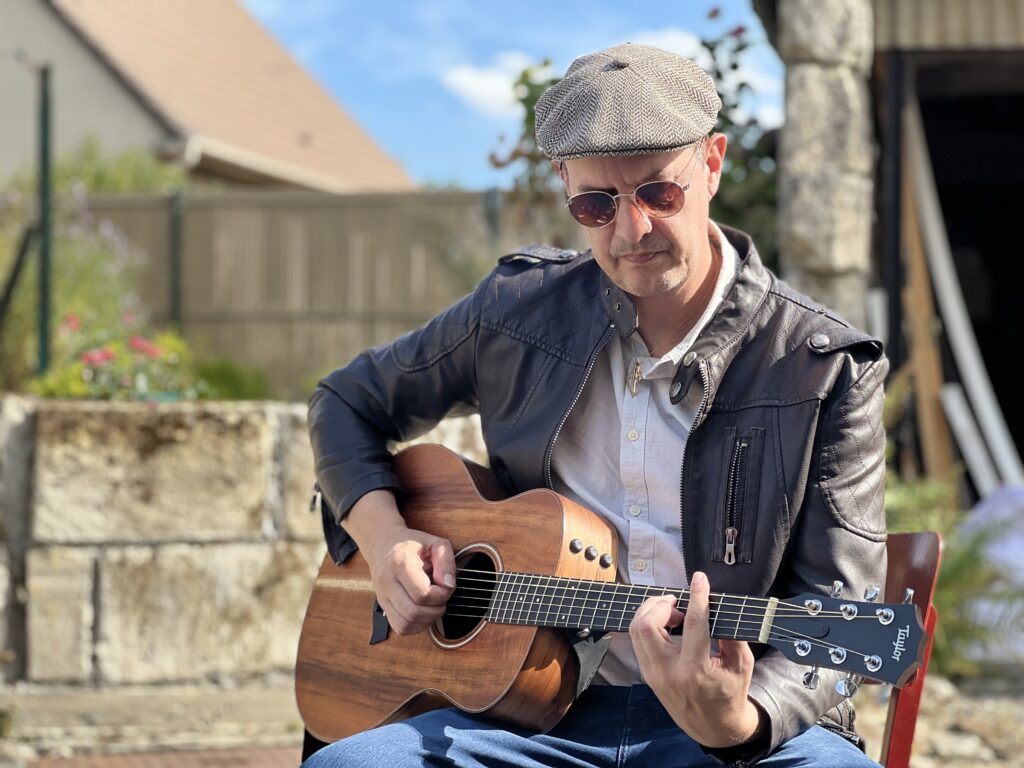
(392, 392)
(840, 535)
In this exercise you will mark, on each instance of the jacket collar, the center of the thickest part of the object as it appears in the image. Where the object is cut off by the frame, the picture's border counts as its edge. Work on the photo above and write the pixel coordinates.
(717, 344)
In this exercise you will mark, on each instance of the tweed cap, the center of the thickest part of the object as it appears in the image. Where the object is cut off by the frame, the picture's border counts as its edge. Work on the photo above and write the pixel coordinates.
(627, 100)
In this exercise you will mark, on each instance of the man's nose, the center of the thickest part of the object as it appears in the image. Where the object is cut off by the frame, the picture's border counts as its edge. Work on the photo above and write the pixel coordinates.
(631, 223)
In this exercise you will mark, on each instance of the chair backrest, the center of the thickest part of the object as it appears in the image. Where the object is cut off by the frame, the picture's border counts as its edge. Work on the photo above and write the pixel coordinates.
(913, 563)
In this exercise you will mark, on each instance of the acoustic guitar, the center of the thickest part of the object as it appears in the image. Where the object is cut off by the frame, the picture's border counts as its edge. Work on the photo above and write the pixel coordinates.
(529, 568)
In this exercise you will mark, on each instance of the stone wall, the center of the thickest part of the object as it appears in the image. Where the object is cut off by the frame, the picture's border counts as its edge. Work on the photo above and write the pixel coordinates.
(826, 151)
(155, 568)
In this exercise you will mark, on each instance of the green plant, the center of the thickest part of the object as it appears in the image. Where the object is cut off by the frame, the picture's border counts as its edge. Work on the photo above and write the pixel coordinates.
(123, 363)
(94, 266)
(969, 578)
(229, 380)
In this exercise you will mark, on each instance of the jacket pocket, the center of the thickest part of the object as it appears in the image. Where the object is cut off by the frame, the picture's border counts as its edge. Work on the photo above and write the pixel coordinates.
(738, 505)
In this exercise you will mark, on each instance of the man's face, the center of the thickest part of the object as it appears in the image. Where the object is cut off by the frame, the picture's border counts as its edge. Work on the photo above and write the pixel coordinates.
(643, 255)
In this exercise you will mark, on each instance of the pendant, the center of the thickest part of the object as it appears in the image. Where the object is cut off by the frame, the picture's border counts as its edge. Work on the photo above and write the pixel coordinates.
(633, 379)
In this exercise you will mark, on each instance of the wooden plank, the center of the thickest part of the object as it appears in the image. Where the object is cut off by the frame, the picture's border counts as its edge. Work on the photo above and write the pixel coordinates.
(969, 361)
(925, 360)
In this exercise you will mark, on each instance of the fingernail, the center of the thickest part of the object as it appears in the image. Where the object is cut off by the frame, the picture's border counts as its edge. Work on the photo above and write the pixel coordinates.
(698, 579)
(449, 581)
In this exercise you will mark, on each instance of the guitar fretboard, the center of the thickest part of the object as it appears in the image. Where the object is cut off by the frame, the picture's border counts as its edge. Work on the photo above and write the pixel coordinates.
(548, 601)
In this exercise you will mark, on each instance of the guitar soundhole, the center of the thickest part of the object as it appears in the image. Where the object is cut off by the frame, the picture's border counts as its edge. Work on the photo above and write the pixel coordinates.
(474, 586)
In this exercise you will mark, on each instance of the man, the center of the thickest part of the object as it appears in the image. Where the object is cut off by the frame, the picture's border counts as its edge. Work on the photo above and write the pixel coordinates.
(727, 427)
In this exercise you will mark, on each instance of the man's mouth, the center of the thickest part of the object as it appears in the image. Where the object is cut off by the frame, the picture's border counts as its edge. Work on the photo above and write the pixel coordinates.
(642, 257)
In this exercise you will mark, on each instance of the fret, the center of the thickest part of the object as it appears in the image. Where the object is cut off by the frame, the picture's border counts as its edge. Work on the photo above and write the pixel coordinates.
(739, 618)
(717, 611)
(574, 588)
(492, 609)
(548, 602)
(518, 604)
(510, 594)
(580, 621)
(514, 593)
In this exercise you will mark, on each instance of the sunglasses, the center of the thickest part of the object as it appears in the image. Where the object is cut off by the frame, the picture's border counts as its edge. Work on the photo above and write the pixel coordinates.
(657, 199)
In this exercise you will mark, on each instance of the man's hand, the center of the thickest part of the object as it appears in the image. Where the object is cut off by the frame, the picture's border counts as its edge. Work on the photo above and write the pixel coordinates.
(705, 694)
(413, 572)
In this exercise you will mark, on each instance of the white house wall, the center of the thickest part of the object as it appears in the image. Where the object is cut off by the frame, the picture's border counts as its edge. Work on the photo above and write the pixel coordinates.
(87, 98)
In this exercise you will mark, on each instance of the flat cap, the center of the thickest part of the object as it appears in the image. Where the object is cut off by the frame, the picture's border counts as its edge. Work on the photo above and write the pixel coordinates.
(627, 100)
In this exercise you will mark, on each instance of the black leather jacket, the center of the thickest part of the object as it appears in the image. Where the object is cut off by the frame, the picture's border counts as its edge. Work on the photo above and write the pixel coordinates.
(774, 371)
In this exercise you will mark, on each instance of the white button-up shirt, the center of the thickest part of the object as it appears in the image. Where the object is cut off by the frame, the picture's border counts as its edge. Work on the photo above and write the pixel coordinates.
(620, 455)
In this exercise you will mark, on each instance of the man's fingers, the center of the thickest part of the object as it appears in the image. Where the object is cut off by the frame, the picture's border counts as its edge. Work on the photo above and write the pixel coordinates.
(442, 561)
(696, 645)
(735, 655)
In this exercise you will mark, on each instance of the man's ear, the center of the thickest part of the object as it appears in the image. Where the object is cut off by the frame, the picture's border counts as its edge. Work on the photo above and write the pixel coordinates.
(559, 167)
(714, 157)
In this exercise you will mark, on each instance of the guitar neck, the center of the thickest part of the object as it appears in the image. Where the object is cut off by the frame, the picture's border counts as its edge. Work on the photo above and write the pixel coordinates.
(547, 601)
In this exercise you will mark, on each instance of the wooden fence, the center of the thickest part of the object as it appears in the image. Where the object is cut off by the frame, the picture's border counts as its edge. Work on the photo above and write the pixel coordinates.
(297, 283)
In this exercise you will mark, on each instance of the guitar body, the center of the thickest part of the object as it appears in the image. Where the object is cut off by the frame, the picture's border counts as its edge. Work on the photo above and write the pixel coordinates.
(523, 675)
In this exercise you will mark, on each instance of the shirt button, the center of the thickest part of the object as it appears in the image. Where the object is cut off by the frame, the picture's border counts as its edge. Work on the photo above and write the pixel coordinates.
(640, 565)
(633, 435)
(635, 510)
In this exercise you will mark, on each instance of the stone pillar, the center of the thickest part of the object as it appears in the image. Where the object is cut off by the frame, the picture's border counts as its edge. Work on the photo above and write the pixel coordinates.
(826, 153)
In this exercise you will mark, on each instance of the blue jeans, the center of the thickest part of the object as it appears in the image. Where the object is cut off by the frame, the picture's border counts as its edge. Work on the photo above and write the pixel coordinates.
(607, 728)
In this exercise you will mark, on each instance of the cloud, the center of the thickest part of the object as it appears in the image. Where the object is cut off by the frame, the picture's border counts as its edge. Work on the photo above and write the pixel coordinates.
(489, 90)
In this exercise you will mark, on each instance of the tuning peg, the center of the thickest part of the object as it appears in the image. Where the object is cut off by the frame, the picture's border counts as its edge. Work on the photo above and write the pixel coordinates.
(837, 588)
(871, 593)
(908, 596)
(847, 686)
(811, 679)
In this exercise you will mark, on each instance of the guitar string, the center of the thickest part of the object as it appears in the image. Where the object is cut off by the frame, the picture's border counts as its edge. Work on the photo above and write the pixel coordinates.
(614, 585)
(788, 610)
(772, 635)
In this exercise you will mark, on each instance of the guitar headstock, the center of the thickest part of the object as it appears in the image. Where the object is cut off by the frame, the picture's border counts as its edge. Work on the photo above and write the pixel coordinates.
(884, 642)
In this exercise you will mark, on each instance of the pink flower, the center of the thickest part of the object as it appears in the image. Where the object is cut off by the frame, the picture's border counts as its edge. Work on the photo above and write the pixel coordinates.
(738, 32)
(714, 13)
(72, 322)
(100, 356)
(144, 346)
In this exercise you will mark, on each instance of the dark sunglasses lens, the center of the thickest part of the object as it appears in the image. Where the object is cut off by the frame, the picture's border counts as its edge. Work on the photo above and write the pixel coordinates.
(661, 198)
(592, 209)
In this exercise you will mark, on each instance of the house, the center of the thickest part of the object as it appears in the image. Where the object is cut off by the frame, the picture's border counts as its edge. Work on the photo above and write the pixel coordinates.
(198, 83)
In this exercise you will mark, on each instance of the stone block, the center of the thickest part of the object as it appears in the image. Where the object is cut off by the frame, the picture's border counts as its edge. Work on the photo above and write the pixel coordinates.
(827, 31)
(825, 224)
(59, 584)
(5, 614)
(828, 122)
(182, 612)
(17, 425)
(295, 456)
(131, 472)
(69, 719)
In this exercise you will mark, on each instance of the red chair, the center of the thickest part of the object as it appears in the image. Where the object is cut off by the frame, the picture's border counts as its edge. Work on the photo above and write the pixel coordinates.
(913, 564)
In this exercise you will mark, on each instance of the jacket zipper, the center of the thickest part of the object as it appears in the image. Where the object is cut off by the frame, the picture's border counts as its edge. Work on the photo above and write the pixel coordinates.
(685, 543)
(579, 391)
(733, 500)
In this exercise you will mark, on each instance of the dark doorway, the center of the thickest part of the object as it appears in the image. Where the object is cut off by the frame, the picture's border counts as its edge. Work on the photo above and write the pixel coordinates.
(973, 110)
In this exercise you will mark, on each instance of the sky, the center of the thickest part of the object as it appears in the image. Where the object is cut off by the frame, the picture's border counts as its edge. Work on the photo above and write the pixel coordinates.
(432, 81)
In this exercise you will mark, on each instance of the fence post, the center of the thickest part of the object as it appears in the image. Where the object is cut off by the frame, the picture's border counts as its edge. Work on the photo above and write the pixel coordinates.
(45, 218)
(177, 201)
